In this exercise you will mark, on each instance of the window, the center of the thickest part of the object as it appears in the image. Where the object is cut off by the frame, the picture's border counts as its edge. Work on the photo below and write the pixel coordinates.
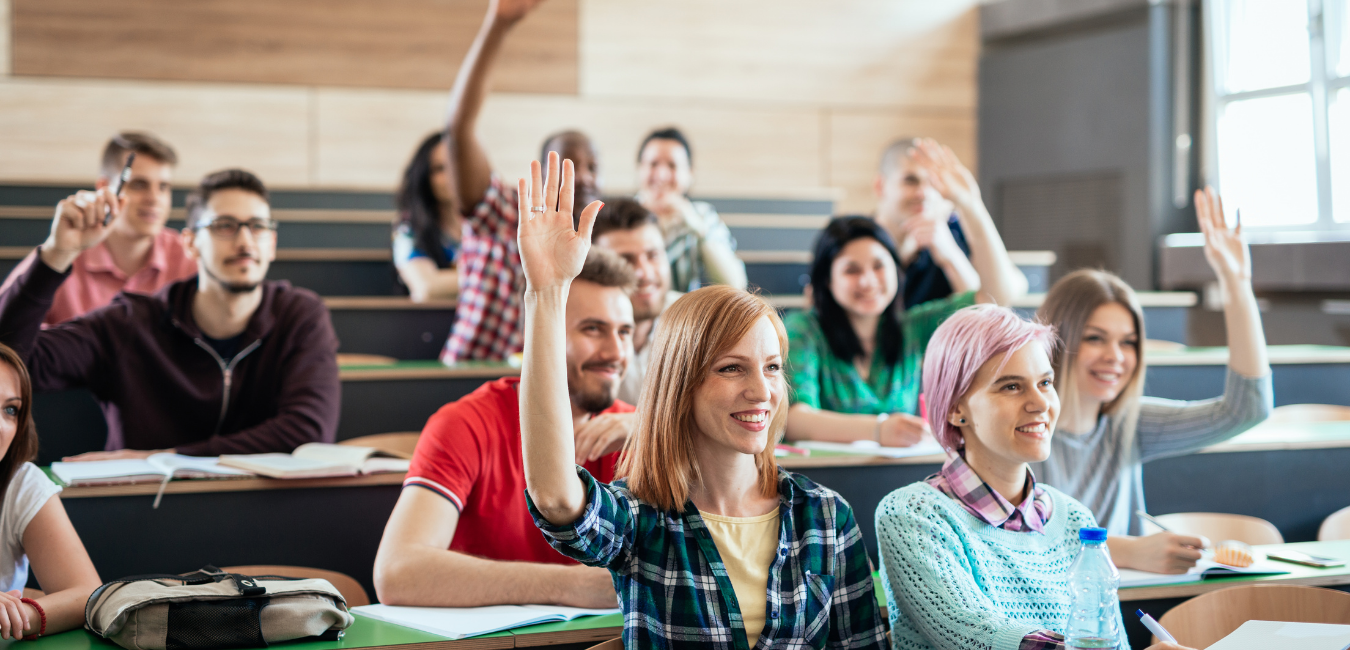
(1281, 101)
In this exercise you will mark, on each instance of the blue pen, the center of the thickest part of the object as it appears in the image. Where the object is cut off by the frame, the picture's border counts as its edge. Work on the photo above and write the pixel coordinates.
(1153, 626)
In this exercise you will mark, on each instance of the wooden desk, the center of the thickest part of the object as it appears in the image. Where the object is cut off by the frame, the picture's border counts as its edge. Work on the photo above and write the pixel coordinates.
(1302, 374)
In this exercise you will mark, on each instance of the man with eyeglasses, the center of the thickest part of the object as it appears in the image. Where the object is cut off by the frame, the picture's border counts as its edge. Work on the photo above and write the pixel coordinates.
(222, 363)
(139, 254)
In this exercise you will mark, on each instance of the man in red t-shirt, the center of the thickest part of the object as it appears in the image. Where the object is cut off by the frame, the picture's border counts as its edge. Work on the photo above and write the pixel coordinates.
(460, 535)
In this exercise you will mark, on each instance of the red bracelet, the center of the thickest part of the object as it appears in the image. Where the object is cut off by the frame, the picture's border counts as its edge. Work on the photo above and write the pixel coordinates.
(42, 629)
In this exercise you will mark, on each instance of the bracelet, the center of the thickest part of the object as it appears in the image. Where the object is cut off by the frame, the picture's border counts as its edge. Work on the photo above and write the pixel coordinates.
(876, 431)
(42, 615)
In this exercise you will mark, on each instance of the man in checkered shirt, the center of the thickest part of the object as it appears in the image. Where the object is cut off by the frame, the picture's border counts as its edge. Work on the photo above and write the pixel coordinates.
(489, 316)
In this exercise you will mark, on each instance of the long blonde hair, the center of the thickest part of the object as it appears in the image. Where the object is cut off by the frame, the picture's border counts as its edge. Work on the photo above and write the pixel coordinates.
(659, 460)
(1067, 307)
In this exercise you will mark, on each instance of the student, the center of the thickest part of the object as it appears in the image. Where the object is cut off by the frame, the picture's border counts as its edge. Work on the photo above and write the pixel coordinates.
(1108, 430)
(224, 363)
(697, 242)
(978, 555)
(921, 186)
(631, 231)
(465, 491)
(856, 354)
(708, 541)
(488, 318)
(138, 255)
(34, 524)
(427, 235)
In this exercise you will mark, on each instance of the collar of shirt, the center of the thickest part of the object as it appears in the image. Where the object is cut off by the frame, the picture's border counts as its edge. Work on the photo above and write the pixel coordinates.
(959, 481)
(100, 260)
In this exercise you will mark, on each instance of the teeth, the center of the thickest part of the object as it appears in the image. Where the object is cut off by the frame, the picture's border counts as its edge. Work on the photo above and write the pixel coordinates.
(1038, 427)
(758, 417)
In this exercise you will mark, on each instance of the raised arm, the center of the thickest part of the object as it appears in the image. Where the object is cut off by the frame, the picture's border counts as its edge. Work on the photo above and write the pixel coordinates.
(468, 160)
(999, 277)
(1231, 260)
(552, 254)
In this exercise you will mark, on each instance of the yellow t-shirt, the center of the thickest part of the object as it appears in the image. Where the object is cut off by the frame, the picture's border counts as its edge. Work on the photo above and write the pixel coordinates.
(747, 546)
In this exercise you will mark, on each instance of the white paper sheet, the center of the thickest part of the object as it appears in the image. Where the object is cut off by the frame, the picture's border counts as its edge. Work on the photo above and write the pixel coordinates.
(462, 622)
(1266, 635)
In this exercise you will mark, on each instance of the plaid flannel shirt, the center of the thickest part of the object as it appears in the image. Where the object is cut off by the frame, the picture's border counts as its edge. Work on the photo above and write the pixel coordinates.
(674, 589)
(489, 316)
(957, 480)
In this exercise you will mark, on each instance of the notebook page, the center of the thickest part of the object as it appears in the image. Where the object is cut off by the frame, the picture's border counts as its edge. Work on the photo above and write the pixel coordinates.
(458, 622)
(1264, 635)
(926, 447)
(571, 613)
(101, 470)
(336, 454)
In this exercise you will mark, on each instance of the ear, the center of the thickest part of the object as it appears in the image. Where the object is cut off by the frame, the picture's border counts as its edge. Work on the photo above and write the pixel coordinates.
(879, 185)
(189, 239)
(957, 417)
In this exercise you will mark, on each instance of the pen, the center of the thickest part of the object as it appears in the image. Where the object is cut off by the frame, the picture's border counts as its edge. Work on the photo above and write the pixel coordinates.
(1152, 520)
(1158, 630)
(121, 183)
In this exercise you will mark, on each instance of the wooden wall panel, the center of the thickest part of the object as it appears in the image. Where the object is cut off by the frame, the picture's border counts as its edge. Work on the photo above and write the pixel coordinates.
(364, 138)
(369, 43)
(4, 37)
(857, 139)
(849, 52)
(56, 130)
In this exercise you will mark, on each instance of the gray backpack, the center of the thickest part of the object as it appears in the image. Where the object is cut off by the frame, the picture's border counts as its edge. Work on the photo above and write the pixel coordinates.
(210, 609)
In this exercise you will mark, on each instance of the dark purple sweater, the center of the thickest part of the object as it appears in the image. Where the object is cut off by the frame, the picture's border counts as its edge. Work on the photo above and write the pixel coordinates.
(161, 385)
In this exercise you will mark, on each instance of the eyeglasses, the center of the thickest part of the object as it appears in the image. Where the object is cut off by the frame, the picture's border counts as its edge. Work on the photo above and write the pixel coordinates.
(229, 228)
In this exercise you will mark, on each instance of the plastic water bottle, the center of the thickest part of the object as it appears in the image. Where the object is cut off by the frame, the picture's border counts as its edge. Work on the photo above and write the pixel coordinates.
(1093, 581)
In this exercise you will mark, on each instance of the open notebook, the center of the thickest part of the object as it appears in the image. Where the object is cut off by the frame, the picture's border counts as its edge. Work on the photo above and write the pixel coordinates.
(461, 622)
(153, 469)
(318, 460)
(926, 447)
(1264, 635)
(1205, 568)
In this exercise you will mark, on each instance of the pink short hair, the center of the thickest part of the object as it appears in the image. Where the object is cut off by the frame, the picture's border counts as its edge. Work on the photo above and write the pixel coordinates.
(962, 344)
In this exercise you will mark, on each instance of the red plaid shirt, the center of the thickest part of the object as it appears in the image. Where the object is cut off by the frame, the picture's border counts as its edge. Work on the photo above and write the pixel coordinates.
(959, 481)
(489, 317)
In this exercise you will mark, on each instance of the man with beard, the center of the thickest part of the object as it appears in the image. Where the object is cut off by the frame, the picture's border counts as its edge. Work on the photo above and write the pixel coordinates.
(223, 363)
(460, 534)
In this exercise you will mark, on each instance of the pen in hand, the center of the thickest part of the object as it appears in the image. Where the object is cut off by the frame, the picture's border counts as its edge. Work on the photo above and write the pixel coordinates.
(121, 183)
(1156, 628)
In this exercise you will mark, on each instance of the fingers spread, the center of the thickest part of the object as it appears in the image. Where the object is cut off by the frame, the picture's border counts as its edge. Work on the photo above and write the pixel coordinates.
(568, 191)
(587, 224)
(523, 201)
(551, 183)
(536, 185)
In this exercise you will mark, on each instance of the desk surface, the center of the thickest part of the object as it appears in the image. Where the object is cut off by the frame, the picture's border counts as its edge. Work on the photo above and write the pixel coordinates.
(1298, 574)
(250, 484)
(428, 369)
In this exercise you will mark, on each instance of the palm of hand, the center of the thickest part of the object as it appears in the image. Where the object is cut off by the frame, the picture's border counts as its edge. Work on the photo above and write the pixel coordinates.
(955, 183)
(1225, 250)
(551, 252)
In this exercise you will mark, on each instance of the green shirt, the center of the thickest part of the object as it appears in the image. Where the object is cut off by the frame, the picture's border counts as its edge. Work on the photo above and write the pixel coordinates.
(821, 380)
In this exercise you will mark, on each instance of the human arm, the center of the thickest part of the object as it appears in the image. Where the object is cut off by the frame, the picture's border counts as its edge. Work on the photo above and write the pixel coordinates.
(1231, 260)
(413, 566)
(310, 396)
(999, 277)
(427, 282)
(61, 564)
(1158, 553)
(468, 160)
(936, 237)
(896, 430)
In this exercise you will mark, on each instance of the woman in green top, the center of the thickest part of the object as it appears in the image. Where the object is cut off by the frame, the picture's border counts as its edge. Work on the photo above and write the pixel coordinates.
(855, 357)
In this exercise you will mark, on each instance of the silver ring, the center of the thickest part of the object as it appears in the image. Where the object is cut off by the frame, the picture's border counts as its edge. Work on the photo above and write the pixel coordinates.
(537, 208)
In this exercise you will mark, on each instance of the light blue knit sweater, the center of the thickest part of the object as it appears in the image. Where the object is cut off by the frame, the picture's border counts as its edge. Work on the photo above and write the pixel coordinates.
(954, 582)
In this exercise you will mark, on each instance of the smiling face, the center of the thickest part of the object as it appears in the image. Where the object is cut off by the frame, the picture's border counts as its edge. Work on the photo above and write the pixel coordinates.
(863, 277)
(736, 403)
(237, 262)
(1010, 413)
(599, 344)
(1108, 354)
(645, 250)
(149, 193)
(664, 168)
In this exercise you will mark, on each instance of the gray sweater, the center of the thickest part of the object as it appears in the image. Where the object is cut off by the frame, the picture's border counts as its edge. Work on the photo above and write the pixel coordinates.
(1104, 467)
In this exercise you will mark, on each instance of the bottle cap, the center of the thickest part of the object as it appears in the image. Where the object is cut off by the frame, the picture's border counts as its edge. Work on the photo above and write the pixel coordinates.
(1089, 534)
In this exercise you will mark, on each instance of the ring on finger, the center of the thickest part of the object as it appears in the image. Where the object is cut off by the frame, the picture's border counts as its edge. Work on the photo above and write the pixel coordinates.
(538, 209)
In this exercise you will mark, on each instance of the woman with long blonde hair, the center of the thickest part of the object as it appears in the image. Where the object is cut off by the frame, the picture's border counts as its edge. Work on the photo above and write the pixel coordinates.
(709, 542)
(1108, 430)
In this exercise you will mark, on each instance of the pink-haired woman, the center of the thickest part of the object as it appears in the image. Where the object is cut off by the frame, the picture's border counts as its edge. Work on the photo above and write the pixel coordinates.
(977, 556)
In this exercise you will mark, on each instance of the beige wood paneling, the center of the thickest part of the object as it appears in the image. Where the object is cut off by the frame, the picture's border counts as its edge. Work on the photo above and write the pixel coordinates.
(385, 43)
(364, 138)
(4, 37)
(847, 52)
(857, 138)
(55, 130)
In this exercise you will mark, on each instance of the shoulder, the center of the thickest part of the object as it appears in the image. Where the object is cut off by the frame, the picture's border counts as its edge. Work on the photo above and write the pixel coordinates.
(813, 498)
(28, 490)
(918, 500)
(492, 403)
(705, 210)
(1077, 514)
(620, 406)
(292, 302)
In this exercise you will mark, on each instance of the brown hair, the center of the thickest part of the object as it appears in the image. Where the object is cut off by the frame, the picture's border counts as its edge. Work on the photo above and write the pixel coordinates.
(144, 144)
(1067, 307)
(226, 179)
(659, 459)
(622, 214)
(606, 269)
(24, 446)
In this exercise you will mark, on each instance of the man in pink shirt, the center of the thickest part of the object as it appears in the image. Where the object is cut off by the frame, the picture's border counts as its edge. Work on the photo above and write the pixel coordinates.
(139, 255)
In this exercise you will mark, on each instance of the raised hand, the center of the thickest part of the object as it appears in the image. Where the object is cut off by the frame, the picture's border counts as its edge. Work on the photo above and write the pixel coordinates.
(932, 236)
(946, 173)
(551, 251)
(78, 225)
(1225, 249)
(512, 10)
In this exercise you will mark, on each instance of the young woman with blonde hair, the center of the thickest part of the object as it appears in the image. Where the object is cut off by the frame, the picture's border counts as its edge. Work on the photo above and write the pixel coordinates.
(1108, 430)
(709, 542)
